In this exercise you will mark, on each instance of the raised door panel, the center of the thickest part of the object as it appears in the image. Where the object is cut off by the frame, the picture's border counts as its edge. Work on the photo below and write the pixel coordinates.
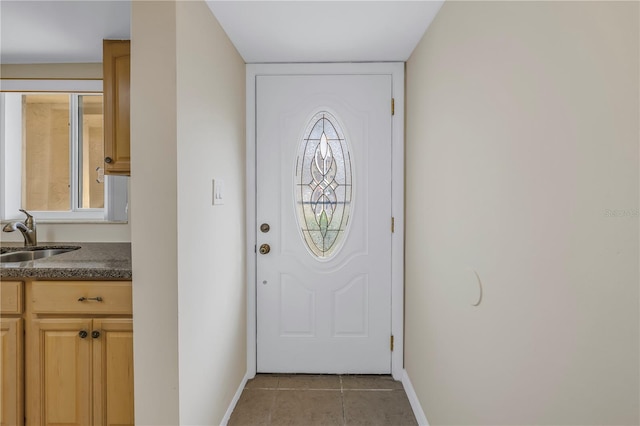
(59, 373)
(10, 297)
(117, 76)
(113, 372)
(11, 369)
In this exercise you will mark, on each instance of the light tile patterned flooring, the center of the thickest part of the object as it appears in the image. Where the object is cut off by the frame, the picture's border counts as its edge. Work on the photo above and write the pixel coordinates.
(306, 400)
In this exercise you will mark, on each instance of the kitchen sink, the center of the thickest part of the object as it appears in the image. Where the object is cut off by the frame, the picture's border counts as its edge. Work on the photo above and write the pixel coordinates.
(37, 253)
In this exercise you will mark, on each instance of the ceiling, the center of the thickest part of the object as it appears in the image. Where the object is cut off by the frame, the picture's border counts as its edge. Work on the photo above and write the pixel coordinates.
(33, 32)
(325, 31)
(262, 31)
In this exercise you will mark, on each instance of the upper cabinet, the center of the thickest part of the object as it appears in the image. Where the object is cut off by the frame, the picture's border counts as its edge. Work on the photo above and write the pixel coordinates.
(116, 74)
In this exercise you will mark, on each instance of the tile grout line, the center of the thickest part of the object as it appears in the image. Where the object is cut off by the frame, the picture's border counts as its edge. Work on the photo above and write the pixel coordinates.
(344, 420)
(341, 389)
(273, 404)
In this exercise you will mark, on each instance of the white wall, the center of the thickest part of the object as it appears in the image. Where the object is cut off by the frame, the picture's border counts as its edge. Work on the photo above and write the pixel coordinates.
(154, 214)
(188, 122)
(522, 165)
(211, 239)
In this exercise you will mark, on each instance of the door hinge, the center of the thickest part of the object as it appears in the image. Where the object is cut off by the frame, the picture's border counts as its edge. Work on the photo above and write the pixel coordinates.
(391, 343)
(393, 224)
(393, 106)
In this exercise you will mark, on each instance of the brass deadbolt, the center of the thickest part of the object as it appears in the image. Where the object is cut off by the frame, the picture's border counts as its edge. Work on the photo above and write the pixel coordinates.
(265, 248)
(265, 227)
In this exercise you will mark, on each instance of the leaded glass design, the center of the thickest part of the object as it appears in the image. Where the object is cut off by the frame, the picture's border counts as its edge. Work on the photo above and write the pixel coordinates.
(323, 185)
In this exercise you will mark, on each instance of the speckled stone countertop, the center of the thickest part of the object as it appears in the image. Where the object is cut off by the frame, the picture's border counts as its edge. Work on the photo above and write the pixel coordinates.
(92, 261)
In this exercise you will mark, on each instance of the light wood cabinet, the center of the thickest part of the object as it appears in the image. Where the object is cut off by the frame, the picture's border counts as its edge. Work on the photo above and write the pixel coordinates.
(79, 365)
(113, 372)
(79, 297)
(11, 411)
(116, 65)
(59, 388)
(11, 354)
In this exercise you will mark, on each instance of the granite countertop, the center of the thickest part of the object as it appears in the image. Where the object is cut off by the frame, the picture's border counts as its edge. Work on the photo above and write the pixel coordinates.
(92, 261)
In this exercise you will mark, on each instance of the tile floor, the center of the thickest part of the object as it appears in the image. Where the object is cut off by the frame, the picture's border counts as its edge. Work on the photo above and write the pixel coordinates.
(306, 400)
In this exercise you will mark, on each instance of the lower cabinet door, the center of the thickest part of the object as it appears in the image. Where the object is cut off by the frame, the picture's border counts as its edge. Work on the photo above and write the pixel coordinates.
(59, 372)
(113, 372)
(11, 369)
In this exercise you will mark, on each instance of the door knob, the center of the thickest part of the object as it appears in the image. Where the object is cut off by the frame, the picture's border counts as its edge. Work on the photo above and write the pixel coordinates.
(108, 160)
(95, 334)
(83, 334)
(265, 248)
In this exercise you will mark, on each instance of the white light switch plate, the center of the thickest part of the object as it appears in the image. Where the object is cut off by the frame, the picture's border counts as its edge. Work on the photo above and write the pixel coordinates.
(218, 191)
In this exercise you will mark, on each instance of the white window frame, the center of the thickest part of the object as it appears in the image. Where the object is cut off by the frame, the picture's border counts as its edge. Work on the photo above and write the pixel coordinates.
(116, 187)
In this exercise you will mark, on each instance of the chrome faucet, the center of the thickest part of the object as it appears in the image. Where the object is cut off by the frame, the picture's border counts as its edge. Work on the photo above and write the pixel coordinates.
(28, 229)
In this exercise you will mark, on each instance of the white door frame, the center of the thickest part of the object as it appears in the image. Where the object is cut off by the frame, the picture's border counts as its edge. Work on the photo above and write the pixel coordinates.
(396, 70)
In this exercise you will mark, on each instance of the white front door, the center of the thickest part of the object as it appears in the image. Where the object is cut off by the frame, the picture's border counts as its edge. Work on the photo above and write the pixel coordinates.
(323, 217)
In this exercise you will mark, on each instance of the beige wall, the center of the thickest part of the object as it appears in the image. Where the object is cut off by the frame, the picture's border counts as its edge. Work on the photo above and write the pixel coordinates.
(211, 239)
(188, 123)
(47, 71)
(154, 215)
(75, 232)
(522, 165)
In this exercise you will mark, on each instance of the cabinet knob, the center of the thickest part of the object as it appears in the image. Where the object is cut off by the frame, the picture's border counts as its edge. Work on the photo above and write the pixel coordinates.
(108, 160)
(83, 334)
(95, 334)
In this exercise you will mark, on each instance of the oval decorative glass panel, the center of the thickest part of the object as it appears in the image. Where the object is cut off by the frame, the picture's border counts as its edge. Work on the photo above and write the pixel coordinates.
(323, 185)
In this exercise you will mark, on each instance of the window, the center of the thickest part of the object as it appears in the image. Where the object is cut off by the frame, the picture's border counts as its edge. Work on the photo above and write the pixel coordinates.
(323, 185)
(52, 158)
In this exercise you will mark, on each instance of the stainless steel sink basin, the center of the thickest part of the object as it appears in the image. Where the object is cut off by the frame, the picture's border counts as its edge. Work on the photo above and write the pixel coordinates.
(26, 256)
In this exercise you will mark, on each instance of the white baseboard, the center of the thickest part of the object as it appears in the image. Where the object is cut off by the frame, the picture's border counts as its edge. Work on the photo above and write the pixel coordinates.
(413, 400)
(235, 399)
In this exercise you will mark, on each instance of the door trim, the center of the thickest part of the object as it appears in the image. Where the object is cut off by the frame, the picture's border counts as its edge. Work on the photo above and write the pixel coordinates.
(396, 70)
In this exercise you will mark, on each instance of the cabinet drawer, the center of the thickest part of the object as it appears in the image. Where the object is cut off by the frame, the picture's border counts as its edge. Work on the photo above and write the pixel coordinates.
(11, 297)
(87, 297)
